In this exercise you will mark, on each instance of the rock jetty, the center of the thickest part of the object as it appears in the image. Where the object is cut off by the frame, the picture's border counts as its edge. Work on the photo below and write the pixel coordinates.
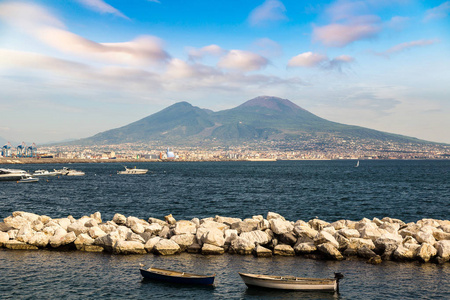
(426, 240)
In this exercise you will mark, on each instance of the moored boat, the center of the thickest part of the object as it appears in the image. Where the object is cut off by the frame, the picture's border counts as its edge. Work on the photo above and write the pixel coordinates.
(292, 283)
(69, 172)
(176, 276)
(45, 173)
(27, 179)
(133, 171)
(11, 174)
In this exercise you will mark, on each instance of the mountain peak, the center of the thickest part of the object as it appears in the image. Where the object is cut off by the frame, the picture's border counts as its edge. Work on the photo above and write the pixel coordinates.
(273, 103)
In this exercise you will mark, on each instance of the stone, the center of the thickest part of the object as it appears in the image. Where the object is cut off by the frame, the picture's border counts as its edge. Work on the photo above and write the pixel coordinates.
(5, 227)
(213, 236)
(91, 248)
(330, 251)
(133, 237)
(349, 233)
(108, 241)
(425, 237)
(136, 225)
(37, 225)
(256, 236)
(25, 233)
(91, 223)
(425, 252)
(272, 215)
(376, 260)
(154, 228)
(279, 226)
(226, 220)
(128, 247)
(357, 243)
(95, 232)
(194, 248)
(166, 247)
(343, 241)
(63, 222)
(230, 235)
(443, 250)
(17, 245)
(209, 249)
(263, 225)
(207, 223)
(185, 227)
(78, 227)
(39, 239)
(83, 240)
(244, 226)
(318, 224)
(338, 225)
(386, 240)
(97, 216)
(157, 221)
(441, 235)
(370, 231)
(261, 251)
(108, 228)
(4, 237)
(403, 254)
(119, 219)
(241, 246)
(164, 232)
(184, 240)
(305, 231)
(170, 219)
(283, 250)
(150, 244)
(305, 248)
(26, 215)
(365, 252)
(324, 237)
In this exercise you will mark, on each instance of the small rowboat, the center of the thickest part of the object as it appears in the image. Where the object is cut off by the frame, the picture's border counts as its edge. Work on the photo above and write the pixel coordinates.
(177, 277)
(293, 283)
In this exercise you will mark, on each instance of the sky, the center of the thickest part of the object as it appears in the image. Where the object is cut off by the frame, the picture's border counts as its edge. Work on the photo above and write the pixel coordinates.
(70, 69)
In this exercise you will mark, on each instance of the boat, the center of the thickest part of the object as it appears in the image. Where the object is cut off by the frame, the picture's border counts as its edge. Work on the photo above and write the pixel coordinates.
(45, 173)
(11, 174)
(133, 171)
(69, 172)
(176, 276)
(357, 164)
(27, 179)
(292, 283)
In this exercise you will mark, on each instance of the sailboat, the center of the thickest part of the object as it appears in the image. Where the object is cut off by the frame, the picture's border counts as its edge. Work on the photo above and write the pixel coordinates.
(357, 164)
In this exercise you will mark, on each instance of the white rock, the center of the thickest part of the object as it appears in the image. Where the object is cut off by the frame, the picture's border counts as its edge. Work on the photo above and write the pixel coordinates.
(26, 215)
(128, 247)
(154, 228)
(324, 237)
(318, 224)
(212, 224)
(107, 241)
(119, 219)
(349, 233)
(16, 222)
(357, 243)
(39, 239)
(133, 237)
(184, 240)
(272, 215)
(305, 248)
(305, 231)
(185, 227)
(330, 251)
(166, 247)
(230, 235)
(443, 249)
(241, 246)
(279, 226)
(425, 237)
(256, 236)
(96, 232)
(61, 240)
(426, 252)
(263, 225)
(78, 227)
(25, 233)
(214, 237)
(208, 249)
(170, 219)
(91, 223)
(4, 237)
(283, 250)
(226, 220)
(97, 216)
(83, 240)
(150, 244)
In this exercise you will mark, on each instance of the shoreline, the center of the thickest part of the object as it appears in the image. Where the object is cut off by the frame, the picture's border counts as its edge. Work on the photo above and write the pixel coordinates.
(427, 240)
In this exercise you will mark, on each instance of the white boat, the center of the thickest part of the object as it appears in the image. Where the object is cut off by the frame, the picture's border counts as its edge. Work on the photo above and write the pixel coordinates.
(45, 173)
(357, 164)
(11, 174)
(28, 178)
(133, 171)
(292, 283)
(69, 172)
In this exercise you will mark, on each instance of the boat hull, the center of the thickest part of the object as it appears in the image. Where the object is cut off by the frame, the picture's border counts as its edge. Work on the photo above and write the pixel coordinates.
(177, 277)
(290, 283)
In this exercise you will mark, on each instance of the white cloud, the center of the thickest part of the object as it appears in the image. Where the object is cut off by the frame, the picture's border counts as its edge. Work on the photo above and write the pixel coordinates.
(438, 12)
(405, 46)
(270, 10)
(307, 59)
(213, 50)
(26, 16)
(267, 47)
(243, 61)
(101, 7)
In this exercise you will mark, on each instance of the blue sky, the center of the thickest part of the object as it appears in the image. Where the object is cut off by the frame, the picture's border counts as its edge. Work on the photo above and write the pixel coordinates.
(73, 68)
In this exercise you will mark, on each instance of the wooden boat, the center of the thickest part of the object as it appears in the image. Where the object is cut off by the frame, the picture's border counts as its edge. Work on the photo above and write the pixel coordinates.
(176, 276)
(292, 283)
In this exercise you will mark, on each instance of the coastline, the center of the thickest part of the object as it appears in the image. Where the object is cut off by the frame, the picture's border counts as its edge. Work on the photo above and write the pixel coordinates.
(427, 240)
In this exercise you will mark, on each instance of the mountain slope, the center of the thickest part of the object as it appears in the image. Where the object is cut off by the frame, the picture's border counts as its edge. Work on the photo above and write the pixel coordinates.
(262, 118)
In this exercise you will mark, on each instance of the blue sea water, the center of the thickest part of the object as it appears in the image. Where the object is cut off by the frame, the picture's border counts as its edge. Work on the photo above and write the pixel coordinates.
(329, 190)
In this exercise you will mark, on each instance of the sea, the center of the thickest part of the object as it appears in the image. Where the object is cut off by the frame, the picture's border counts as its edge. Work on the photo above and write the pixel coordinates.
(409, 190)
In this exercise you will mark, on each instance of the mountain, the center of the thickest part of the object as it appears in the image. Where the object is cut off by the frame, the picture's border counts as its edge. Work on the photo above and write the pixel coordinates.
(260, 119)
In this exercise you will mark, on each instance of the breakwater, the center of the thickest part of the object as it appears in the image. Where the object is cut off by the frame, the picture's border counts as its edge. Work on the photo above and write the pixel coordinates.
(427, 240)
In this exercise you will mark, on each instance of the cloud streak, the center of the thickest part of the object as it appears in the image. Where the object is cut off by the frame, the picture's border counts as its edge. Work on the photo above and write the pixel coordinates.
(438, 12)
(406, 46)
(101, 7)
(269, 11)
(311, 60)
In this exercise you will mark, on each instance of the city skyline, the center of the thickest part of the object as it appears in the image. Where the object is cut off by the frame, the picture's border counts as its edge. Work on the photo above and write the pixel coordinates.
(75, 68)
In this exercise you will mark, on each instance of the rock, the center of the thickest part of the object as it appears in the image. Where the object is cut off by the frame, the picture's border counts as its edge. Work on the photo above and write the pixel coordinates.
(338, 225)
(108, 228)
(260, 251)
(440, 235)
(133, 237)
(370, 231)
(425, 237)
(256, 236)
(108, 241)
(4, 237)
(185, 227)
(13, 233)
(5, 227)
(119, 219)
(83, 240)
(96, 232)
(305, 248)
(170, 219)
(241, 246)
(226, 220)
(349, 233)
(279, 226)
(365, 252)
(97, 216)
(330, 251)
(166, 247)
(165, 232)
(157, 221)
(403, 254)
(318, 224)
(209, 249)
(287, 238)
(263, 225)
(358, 243)
(25, 233)
(136, 225)
(272, 215)
(150, 244)
(343, 241)
(214, 237)
(283, 250)
(376, 260)
(26, 215)
(91, 223)
(154, 228)
(390, 227)
(425, 252)
(39, 240)
(59, 240)
(184, 240)
(388, 251)
(387, 241)
(194, 248)
(230, 235)
(443, 250)
(128, 247)
(212, 224)
(245, 226)
(324, 237)
(17, 245)
(78, 227)
(37, 225)
(305, 231)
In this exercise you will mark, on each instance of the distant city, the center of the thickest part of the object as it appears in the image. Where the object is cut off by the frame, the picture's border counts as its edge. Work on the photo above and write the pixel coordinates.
(331, 149)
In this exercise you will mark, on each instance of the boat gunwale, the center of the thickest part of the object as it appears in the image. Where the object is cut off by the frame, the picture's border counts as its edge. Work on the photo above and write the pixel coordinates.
(290, 279)
(178, 274)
